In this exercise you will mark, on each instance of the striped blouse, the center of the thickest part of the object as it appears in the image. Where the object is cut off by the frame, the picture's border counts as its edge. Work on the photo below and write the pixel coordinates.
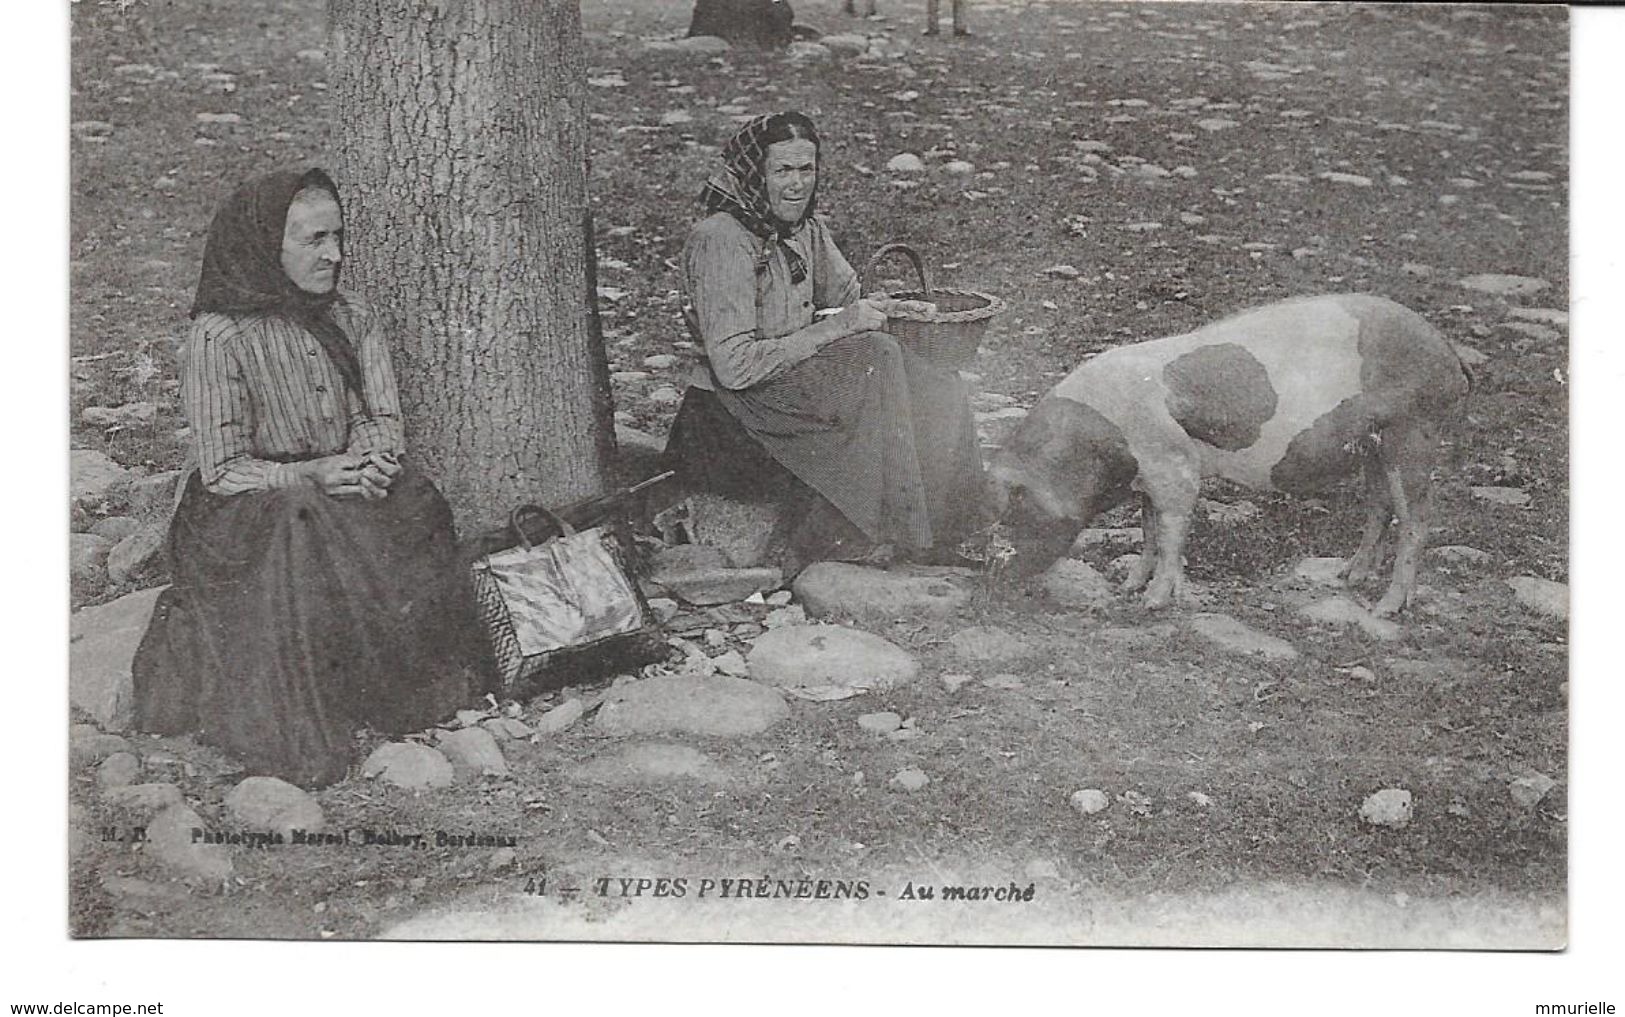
(747, 320)
(257, 388)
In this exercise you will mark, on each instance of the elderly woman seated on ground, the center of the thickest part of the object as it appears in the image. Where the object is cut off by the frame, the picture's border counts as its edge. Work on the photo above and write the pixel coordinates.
(316, 586)
(870, 448)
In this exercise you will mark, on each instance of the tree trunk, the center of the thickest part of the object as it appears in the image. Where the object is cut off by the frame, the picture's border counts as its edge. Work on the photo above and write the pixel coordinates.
(462, 161)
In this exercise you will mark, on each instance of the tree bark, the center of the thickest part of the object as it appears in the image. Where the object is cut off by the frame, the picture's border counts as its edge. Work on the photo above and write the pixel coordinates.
(462, 161)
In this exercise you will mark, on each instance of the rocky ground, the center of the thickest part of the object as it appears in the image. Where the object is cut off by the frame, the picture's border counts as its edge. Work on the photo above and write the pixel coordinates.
(1272, 755)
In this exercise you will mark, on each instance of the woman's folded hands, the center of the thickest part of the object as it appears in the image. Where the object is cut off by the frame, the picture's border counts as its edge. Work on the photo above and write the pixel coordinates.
(351, 475)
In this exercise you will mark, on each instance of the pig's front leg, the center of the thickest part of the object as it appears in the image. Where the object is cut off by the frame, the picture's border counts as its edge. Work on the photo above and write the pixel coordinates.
(1168, 581)
(1140, 574)
(1174, 499)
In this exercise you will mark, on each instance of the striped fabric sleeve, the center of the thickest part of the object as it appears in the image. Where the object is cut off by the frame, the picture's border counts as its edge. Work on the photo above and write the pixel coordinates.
(217, 406)
(837, 281)
(379, 428)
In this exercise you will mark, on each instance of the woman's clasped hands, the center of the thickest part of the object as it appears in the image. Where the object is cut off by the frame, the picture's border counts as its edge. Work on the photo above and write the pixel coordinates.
(364, 475)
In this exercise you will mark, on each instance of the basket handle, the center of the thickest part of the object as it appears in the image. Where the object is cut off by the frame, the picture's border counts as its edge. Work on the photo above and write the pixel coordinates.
(520, 512)
(897, 247)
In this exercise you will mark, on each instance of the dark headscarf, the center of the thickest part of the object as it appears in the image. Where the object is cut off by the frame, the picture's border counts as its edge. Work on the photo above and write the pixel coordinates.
(242, 266)
(740, 187)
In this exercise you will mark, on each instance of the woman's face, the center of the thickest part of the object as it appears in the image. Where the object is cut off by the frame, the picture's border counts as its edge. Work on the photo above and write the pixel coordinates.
(313, 241)
(791, 175)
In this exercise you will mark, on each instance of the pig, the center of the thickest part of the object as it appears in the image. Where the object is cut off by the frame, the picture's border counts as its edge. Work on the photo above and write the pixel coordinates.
(1291, 397)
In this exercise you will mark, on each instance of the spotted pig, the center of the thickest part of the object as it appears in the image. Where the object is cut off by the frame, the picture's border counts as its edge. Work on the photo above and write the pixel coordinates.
(1287, 397)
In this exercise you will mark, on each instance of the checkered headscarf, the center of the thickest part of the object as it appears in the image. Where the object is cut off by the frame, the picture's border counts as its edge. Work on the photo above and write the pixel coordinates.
(740, 187)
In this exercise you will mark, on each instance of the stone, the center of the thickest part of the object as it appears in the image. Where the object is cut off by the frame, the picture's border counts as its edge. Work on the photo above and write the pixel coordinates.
(795, 614)
(1076, 584)
(115, 528)
(1321, 571)
(676, 118)
(664, 608)
(1470, 356)
(1544, 315)
(561, 717)
(627, 437)
(269, 803)
(87, 745)
(907, 162)
(158, 492)
(660, 361)
(1231, 514)
(508, 728)
(473, 752)
(219, 118)
(958, 167)
(779, 598)
(1090, 800)
(408, 765)
(1459, 554)
(720, 706)
(954, 681)
(1504, 285)
(665, 395)
(846, 44)
(92, 476)
(91, 130)
(911, 779)
(703, 44)
(1390, 807)
(700, 575)
(651, 763)
(1343, 611)
(987, 645)
(743, 531)
(878, 595)
(1234, 636)
(1095, 536)
(732, 663)
(120, 416)
(101, 644)
(1530, 330)
(826, 662)
(1515, 497)
(87, 556)
(1352, 179)
(1542, 596)
(170, 841)
(118, 770)
(1217, 123)
(1062, 272)
(135, 552)
(806, 50)
(1529, 789)
(880, 723)
(143, 800)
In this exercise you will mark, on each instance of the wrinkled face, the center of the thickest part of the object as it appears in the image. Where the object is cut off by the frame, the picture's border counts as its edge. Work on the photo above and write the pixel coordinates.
(791, 174)
(313, 241)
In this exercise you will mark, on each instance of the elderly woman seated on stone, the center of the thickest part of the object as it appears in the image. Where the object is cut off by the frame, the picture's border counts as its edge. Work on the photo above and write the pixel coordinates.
(869, 447)
(316, 582)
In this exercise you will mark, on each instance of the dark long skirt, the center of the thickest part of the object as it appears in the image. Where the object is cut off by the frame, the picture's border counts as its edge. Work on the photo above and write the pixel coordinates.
(884, 436)
(294, 618)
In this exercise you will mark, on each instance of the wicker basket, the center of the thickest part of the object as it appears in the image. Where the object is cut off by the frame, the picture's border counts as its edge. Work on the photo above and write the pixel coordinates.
(951, 333)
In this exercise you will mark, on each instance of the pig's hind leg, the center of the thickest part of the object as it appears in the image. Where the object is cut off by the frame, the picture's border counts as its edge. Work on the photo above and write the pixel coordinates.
(1379, 513)
(1407, 454)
